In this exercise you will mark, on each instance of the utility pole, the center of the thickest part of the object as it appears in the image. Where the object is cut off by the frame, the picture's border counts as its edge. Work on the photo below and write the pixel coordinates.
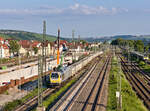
(95, 45)
(58, 47)
(73, 44)
(1, 56)
(118, 93)
(44, 46)
(41, 61)
(19, 61)
(79, 39)
(117, 78)
(73, 36)
(40, 90)
(128, 54)
(78, 44)
(120, 97)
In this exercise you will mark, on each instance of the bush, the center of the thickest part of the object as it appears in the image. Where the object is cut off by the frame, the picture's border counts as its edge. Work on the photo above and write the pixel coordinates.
(56, 95)
(142, 63)
(11, 105)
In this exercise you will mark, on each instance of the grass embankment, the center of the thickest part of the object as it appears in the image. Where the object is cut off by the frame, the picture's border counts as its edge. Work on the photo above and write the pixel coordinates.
(130, 101)
(12, 105)
(144, 66)
(57, 94)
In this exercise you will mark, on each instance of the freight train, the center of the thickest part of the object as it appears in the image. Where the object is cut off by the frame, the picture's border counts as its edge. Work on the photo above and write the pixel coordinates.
(63, 73)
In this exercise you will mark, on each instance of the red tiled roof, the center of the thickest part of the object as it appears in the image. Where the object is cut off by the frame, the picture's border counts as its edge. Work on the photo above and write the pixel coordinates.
(4, 46)
(52, 44)
(25, 43)
(63, 42)
(35, 43)
(1, 38)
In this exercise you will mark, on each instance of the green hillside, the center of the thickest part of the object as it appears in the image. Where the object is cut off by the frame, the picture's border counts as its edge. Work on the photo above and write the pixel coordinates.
(23, 35)
(145, 38)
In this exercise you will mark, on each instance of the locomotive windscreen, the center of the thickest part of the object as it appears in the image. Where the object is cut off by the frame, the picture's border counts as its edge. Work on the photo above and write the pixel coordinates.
(54, 75)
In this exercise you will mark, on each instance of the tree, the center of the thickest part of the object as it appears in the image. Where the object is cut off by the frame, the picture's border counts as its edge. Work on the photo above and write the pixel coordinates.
(87, 48)
(131, 43)
(118, 41)
(105, 42)
(35, 49)
(14, 47)
(83, 42)
(139, 46)
(146, 48)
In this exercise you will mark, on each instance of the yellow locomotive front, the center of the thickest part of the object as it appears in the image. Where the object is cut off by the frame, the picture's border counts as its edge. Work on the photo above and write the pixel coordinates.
(55, 78)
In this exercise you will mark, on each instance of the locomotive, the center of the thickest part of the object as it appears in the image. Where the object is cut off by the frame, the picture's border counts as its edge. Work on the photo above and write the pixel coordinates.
(62, 73)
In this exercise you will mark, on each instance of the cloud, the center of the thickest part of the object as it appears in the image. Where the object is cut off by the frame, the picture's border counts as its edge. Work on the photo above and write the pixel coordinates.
(74, 9)
(30, 11)
(87, 10)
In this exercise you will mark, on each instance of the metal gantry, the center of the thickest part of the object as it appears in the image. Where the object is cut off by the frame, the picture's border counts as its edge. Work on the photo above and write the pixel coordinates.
(44, 46)
(41, 65)
(72, 44)
(40, 84)
(73, 36)
(19, 65)
(120, 97)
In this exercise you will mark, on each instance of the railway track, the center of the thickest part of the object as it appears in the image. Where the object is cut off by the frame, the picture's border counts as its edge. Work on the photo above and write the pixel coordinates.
(98, 98)
(90, 93)
(137, 83)
(31, 103)
(144, 74)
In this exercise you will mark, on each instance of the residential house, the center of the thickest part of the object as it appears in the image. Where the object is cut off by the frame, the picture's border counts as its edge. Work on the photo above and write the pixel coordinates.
(4, 51)
(52, 48)
(62, 45)
(25, 47)
(1, 40)
(37, 44)
(76, 47)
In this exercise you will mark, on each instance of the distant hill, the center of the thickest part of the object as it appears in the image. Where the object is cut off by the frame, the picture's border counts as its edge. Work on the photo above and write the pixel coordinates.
(145, 38)
(24, 35)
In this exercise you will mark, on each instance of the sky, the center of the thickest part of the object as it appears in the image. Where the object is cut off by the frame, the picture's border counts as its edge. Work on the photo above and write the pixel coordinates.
(88, 18)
